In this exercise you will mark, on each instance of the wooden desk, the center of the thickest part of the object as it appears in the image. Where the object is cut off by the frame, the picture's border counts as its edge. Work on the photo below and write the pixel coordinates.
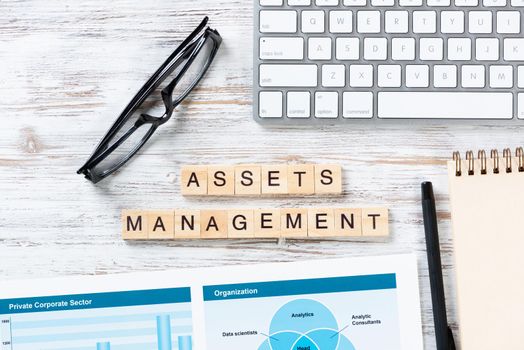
(67, 68)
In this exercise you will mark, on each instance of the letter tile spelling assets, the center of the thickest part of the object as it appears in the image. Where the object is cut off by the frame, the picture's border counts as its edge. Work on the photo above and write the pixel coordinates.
(261, 180)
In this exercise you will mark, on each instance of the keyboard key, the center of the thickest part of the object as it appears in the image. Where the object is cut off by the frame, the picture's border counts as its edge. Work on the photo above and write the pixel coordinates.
(278, 21)
(487, 49)
(348, 49)
(271, 2)
(438, 3)
(356, 2)
(517, 3)
(313, 22)
(480, 22)
(452, 22)
(298, 104)
(389, 76)
(508, 22)
(494, 3)
(424, 22)
(431, 49)
(501, 76)
(288, 75)
(473, 76)
(514, 49)
(397, 21)
(410, 3)
(341, 21)
(333, 75)
(379, 3)
(272, 48)
(270, 104)
(319, 48)
(459, 49)
(448, 105)
(375, 49)
(327, 2)
(520, 74)
(520, 112)
(368, 21)
(357, 105)
(445, 76)
(466, 3)
(403, 49)
(360, 75)
(326, 105)
(417, 76)
(299, 2)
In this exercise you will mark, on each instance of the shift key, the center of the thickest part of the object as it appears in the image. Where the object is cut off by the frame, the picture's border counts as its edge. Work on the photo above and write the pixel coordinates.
(288, 75)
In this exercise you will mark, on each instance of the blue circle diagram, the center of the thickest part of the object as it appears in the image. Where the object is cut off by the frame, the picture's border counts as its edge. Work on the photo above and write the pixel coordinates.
(305, 324)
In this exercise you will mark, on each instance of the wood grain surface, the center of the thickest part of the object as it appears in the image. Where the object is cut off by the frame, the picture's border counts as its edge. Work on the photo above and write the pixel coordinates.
(67, 68)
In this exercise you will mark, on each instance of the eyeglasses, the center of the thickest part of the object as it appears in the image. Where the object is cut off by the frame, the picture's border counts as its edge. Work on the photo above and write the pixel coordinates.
(174, 80)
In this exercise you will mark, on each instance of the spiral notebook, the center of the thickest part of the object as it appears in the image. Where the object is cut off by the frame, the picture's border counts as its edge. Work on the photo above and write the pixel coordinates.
(487, 206)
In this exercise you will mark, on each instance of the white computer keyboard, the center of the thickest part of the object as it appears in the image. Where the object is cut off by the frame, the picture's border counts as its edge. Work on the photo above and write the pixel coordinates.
(342, 60)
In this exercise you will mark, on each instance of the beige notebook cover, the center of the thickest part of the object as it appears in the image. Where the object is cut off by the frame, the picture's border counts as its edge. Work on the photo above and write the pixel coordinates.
(488, 231)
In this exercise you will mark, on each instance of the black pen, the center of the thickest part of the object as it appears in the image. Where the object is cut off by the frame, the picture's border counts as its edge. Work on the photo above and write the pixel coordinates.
(443, 332)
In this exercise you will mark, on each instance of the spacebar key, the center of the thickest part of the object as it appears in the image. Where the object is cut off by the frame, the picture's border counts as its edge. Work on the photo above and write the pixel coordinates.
(445, 105)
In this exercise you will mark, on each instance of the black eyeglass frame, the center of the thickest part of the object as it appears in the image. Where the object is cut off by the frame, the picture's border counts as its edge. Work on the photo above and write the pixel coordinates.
(185, 54)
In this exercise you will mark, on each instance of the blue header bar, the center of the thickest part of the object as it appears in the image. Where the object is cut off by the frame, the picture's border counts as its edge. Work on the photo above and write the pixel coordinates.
(95, 301)
(298, 287)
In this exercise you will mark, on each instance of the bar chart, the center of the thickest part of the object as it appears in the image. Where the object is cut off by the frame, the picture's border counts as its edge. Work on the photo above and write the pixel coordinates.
(158, 321)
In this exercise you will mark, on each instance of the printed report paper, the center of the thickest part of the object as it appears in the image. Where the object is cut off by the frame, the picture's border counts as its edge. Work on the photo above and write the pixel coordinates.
(367, 303)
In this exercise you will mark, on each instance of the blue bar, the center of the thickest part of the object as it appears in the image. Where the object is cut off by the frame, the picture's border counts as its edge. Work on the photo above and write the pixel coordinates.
(185, 342)
(103, 346)
(163, 328)
(95, 301)
(299, 287)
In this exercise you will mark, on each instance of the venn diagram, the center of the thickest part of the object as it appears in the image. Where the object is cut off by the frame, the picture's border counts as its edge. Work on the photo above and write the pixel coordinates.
(305, 324)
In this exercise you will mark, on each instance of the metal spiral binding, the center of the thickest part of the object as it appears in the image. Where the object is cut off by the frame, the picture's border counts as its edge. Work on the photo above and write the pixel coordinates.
(482, 157)
(507, 159)
(520, 156)
(471, 162)
(458, 163)
(483, 162)
(495, 157)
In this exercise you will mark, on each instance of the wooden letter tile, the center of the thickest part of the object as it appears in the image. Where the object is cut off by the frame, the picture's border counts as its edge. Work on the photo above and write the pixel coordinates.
(274, 179)
(321, 222)
(301, 179)
(294, 223)
(348, 222)
(247, 180)
(213, 224)
(221, 181)
(134, 224)
(375, 222)
(161, 224)
(240, 224)
(328, 179)
(187, 224)
(267, 223)
(193, 180)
